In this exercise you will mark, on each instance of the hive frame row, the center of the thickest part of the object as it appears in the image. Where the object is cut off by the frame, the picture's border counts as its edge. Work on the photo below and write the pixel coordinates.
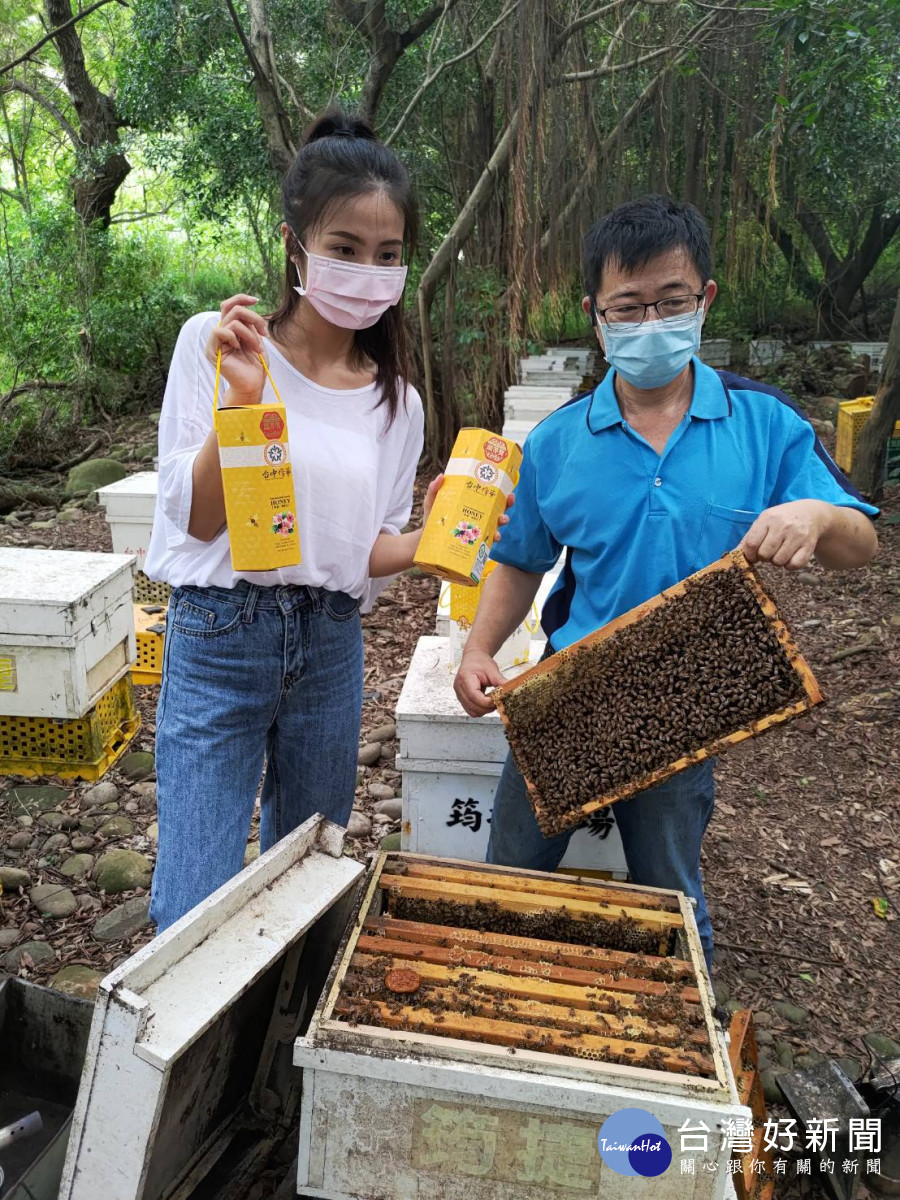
(326, 1029)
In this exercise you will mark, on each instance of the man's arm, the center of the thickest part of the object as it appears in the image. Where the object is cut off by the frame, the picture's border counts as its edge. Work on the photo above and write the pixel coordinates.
(788, 535)
(505, 603)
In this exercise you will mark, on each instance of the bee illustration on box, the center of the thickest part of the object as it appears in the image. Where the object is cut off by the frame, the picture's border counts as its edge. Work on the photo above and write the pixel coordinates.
(254, 521)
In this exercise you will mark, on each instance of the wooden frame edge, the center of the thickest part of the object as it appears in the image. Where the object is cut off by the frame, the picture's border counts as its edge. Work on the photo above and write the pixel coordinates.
(733, 560)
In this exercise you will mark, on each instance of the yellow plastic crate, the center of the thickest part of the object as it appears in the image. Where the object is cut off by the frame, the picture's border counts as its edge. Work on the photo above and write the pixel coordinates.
(84, 748)
(148, 591)
(852, 416)
(151, 642)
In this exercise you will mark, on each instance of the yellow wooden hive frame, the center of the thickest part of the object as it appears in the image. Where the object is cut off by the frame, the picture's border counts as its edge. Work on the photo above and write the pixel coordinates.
(733, 561)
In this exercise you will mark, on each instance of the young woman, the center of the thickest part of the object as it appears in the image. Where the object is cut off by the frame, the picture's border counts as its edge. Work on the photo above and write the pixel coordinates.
(269, 666)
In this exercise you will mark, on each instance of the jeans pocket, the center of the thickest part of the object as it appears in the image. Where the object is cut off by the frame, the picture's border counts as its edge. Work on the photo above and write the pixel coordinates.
(340, 606)
(199, 614)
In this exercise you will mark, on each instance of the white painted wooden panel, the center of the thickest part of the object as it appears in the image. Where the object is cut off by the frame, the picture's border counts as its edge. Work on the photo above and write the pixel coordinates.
(447, 811)
(172, 1006)
(432, 724)
(392, 1129)
(130, 504)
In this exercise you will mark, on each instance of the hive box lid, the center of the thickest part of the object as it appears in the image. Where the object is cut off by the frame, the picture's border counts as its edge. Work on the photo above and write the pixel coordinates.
(59, 592)
(132, 497)
(432, 724)
(195, 1030)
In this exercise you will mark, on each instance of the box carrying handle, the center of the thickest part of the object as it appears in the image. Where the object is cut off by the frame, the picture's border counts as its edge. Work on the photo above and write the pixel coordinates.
(265, 367)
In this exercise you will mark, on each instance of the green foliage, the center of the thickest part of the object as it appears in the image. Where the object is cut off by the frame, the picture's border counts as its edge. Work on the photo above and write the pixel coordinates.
(198, 215)
(102, 309)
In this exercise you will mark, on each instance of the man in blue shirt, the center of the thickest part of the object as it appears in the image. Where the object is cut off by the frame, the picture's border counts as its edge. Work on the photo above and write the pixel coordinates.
(660, 470)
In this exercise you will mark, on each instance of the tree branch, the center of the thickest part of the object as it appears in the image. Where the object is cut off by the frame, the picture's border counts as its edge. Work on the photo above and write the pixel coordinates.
(579, 23)
(879, 234)
(814, 228)
(603, 148)
(450, 62)
(613, 68)
(414, 31)
(125, 217)
(13, 195)
(275, 122)
(19, 85)
(33, 385)
(79, 16)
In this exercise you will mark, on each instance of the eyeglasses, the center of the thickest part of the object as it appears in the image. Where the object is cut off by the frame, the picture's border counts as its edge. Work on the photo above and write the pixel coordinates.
(636, 314)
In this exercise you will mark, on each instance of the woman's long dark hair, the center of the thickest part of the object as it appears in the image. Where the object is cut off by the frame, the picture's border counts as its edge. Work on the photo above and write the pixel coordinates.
(341, 157)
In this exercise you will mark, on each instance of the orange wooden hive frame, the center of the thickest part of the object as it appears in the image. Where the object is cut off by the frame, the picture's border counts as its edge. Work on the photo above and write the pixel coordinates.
(733, 561)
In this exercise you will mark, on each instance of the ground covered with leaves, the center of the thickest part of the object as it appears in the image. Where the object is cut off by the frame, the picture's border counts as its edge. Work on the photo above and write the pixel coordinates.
(802, 859)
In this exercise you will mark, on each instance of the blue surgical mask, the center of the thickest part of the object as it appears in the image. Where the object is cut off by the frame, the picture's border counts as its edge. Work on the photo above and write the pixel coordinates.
(651, 354)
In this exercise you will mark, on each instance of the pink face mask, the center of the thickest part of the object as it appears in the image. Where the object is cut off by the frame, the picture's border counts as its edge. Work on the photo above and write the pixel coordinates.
(347, 294)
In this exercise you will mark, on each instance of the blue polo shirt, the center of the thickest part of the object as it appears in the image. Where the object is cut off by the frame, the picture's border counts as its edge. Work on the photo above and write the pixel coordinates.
(634, 522)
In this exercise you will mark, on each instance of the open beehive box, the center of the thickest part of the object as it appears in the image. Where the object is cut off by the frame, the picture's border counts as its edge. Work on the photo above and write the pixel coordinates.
(702, 666)
(541, 1006)
(567, 974)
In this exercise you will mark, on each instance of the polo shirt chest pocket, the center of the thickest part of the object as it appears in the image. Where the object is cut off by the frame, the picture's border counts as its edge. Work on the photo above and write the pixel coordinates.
(721, 530)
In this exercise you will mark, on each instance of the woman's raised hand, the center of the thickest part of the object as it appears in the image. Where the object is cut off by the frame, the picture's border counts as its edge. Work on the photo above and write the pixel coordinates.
(239, 335)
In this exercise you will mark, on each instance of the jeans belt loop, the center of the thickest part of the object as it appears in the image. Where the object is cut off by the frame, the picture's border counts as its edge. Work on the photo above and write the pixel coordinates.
(315, 598)
(250, 603)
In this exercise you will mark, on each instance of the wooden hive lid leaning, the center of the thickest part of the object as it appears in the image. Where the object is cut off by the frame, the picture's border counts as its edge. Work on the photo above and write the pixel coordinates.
(741, 625)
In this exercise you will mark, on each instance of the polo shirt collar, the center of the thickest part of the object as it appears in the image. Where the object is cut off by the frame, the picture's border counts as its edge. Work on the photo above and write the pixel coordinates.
(710, 399)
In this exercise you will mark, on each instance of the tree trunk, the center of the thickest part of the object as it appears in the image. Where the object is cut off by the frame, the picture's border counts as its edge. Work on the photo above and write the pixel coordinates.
(868, 466)
(387, 45)
(438, 435)
(275, 120)
(102, 168)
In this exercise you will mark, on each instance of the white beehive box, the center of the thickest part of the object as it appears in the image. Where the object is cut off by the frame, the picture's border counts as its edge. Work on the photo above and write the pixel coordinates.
(518, 431)
(551, 376)
(534, 404)
(874, 350)
(451, 764)
(715, 352)
(398, 1114)
(130, 504)
(766, 352)
(584, 360)
(66, 630)
(208, 1045)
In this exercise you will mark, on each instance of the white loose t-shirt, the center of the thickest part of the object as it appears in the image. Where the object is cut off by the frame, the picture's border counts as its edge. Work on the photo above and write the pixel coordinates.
(353, 474)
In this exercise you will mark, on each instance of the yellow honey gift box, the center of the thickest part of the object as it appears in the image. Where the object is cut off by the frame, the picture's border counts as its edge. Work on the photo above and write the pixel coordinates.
(257, 481)
(459, 533)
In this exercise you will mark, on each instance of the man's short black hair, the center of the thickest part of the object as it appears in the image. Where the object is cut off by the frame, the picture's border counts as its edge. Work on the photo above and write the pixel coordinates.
(640, 229)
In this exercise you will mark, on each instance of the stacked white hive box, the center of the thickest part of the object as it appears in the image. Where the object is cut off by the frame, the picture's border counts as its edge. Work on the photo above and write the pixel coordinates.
(545, 382)
(715, 352)
(130, 504)
(765, 352)
(451, 764)
(875, 351)
(66, 630)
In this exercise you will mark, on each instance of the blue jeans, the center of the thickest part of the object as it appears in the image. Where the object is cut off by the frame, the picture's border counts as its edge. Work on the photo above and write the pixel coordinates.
(250, 674)
(661, 829)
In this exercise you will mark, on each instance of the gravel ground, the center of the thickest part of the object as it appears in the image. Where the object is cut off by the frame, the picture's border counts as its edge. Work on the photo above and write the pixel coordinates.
(802, 859)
